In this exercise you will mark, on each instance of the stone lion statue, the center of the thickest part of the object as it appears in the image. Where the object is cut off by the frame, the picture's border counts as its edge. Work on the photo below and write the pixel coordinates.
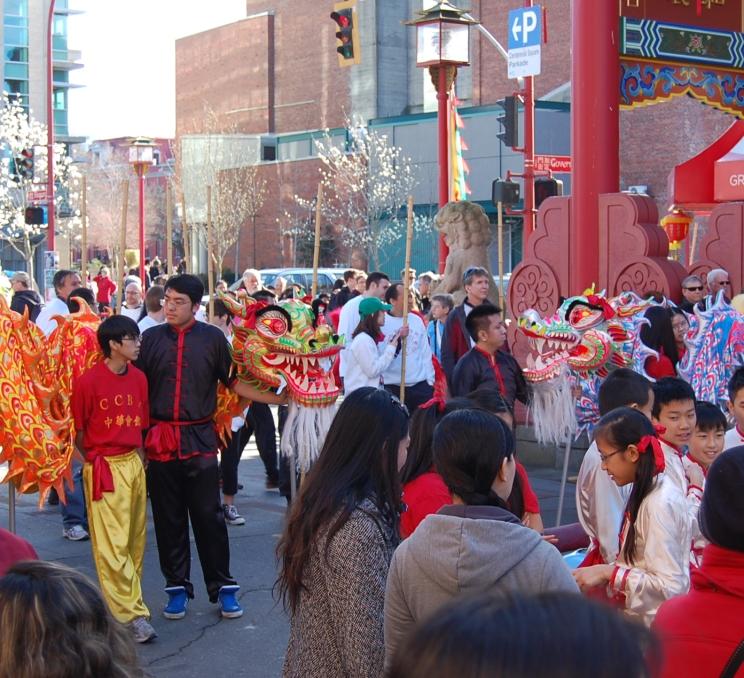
(467, 232)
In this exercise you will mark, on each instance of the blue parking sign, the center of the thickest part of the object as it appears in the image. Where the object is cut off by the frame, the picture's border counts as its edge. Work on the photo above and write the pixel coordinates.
(525, 41)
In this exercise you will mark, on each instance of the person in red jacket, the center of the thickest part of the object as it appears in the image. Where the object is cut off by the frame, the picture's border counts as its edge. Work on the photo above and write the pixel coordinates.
(106, 288)
(702, 631)
(659, 335)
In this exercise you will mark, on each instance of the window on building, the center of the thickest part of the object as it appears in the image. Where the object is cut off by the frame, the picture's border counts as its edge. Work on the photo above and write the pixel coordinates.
(16, 7)
(16, 54)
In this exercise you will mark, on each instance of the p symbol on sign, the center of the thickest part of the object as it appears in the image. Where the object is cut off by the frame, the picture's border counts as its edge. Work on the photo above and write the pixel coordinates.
(523, 24)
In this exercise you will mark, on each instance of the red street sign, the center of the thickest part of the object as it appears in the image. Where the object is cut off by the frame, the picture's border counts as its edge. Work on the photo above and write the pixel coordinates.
(36, 197)
(560, 164)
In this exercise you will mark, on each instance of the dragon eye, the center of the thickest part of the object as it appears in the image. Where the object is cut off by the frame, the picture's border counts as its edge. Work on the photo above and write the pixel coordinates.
(272, 324)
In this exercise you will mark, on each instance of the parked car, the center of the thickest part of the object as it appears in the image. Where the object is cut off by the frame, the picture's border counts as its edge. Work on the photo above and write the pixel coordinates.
(299, 276)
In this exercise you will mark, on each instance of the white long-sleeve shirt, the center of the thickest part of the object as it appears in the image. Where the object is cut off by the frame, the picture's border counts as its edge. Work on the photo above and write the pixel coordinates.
(418, 352)
(600, 504)
(365, 362)
(347, 323)
(44, 320)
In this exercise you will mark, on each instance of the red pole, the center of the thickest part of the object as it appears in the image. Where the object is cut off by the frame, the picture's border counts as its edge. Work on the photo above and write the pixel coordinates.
(141, 175)
(50, 134)
(595, 130)
(442, 117)
(529, 159)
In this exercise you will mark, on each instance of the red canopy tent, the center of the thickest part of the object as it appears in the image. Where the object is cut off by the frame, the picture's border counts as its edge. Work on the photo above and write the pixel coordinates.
(700, 182)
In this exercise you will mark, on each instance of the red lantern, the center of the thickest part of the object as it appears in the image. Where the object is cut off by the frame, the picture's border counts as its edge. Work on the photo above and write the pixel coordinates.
(676, 225)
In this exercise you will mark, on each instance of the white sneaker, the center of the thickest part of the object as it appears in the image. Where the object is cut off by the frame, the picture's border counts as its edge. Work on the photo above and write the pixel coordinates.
(142, 630)
(75, 533)
(232, 517)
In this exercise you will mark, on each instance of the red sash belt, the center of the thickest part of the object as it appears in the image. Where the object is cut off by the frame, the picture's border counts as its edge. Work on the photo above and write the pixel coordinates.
(161, 442)
(103, 480)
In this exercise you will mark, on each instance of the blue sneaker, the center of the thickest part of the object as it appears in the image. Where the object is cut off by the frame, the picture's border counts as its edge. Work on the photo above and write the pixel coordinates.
(177, 599)
(229, 605)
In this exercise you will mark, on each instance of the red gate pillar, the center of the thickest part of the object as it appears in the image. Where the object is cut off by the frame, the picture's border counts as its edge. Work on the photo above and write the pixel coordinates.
(595, 129)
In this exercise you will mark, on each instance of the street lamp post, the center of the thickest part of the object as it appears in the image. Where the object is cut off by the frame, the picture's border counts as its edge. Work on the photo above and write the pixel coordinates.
(141, 157)
(443, 45)
(50, 131)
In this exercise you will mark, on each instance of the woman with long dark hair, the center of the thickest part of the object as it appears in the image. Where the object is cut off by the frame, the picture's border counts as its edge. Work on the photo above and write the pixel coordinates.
(680, 327)
(659, 336)
(476, 544)
(336, 548)
(653, 562)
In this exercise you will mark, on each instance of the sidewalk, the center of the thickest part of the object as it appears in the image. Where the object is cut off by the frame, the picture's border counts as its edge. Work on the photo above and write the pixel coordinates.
(203, 644)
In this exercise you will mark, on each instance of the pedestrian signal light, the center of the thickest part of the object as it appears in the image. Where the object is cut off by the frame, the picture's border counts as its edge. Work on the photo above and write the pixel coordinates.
(347, 35)
(35, 216)
(504, 192)
(547, 188)
(25, 164)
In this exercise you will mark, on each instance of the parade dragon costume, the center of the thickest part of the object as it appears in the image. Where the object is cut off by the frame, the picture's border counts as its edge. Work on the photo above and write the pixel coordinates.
(275, 346)
(572, 351)
(589, 335)
(715, 348)
(37, 437)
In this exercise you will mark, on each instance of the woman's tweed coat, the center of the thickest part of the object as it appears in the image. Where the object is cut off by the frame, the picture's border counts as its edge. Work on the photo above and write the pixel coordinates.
(337, 629)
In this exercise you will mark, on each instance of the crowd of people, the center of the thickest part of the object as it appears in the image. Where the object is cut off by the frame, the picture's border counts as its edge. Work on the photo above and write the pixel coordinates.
(416, 545)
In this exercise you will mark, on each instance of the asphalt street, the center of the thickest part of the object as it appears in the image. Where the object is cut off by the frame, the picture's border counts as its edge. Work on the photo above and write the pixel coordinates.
(203, 644)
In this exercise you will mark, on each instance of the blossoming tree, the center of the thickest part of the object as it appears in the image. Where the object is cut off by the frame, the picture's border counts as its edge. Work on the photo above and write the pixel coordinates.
(19, 132)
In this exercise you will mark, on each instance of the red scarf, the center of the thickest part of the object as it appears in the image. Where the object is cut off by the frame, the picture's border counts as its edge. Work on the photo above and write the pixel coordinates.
(495, 367)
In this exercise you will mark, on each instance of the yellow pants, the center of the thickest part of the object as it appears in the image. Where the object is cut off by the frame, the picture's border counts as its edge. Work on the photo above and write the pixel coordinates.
(117, 531)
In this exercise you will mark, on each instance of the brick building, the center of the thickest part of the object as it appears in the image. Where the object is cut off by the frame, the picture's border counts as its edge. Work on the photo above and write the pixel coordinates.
(274, 76)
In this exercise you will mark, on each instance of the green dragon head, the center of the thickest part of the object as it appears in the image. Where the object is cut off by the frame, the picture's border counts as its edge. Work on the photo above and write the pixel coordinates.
(275, 343)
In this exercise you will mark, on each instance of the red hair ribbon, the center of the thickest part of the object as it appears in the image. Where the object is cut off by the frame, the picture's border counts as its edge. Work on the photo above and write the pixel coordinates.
(660, 430)
(440, 388)
(653, 444)
(607, 310)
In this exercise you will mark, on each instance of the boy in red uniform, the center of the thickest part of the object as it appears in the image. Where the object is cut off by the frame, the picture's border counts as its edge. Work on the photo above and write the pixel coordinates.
(110, 408)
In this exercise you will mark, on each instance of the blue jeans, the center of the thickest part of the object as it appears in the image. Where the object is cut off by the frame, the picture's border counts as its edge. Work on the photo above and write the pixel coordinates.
(74, 512)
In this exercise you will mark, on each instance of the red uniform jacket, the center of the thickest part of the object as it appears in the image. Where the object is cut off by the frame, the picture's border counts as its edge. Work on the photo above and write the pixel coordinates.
(700, 631)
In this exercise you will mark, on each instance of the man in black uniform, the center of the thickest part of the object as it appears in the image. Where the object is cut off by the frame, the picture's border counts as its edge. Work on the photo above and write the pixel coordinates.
(184, 360)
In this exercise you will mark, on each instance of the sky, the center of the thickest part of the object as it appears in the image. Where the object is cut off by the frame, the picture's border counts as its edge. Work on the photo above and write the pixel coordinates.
(128, 49)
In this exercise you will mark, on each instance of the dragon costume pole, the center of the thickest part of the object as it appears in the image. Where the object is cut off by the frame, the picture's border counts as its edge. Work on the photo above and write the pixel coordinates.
(406, 292)
(123, 244)
(185, 233)
(169, 228)
(210, 247)
(316, 247)
(11, 508)
(84, 232)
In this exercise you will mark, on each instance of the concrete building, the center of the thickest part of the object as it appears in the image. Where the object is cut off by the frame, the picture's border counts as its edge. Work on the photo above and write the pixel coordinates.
(24, 64)
(274, 76)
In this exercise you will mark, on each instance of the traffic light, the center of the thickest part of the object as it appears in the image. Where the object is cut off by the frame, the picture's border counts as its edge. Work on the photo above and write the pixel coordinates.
(505, 192)
(510, 121)
(344, 14)
(25, 164)
(35, 216)
(547, 188)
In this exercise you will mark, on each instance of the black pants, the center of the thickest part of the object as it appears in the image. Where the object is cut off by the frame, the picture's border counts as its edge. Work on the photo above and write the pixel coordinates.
(229, 460)
(261, 423)
(285, 478)
(416, 395)
(188, 489)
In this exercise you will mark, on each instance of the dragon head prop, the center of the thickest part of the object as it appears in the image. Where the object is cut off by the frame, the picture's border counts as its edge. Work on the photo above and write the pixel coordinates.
(277, 343)
(715, 348)
(588, 336)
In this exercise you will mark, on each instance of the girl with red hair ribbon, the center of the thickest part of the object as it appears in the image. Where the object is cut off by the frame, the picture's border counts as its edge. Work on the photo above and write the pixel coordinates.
(653, 560)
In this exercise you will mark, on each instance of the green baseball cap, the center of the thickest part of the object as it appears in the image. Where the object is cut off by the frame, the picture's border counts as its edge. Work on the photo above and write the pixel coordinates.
(371, 305)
